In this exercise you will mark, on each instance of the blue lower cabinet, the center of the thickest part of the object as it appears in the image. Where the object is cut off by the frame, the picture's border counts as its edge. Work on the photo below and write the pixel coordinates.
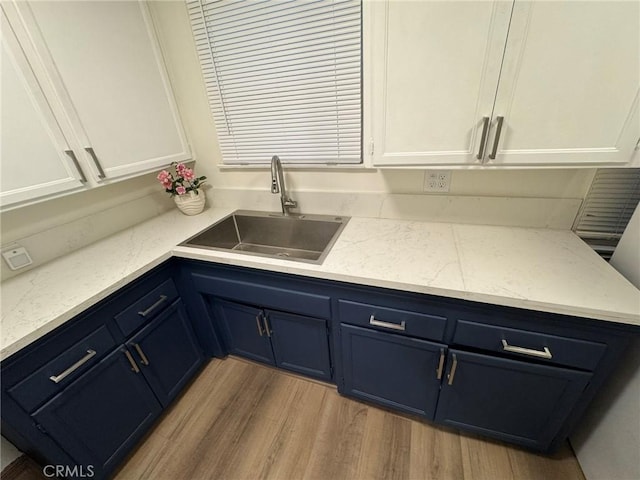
(523, 403)
(102, 415)
(244, 331)
(300, 344)
(289, 341)
(167, 352)
(391, 370)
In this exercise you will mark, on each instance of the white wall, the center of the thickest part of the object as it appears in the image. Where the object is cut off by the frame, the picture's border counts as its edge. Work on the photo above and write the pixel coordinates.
(607, 443)
(56, 227)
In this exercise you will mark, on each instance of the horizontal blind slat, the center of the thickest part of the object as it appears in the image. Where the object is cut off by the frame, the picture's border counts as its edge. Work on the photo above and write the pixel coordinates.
(283, 78)
(608, 206)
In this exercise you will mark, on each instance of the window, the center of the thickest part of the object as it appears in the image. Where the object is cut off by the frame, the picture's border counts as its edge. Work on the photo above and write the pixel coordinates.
(608, 207)
(283, 78)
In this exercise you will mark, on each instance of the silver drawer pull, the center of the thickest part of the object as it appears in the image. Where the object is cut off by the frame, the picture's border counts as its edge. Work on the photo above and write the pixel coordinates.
(454, 367)
(440, 365)
(132, 362)
(146, 312)
(143, 357)
(259, 323)
(483, 138)
(58, 378)
(94, 157)
(526, 351)
(380, 323)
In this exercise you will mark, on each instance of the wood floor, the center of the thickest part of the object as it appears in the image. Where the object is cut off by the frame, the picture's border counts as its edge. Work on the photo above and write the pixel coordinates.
(240, 420)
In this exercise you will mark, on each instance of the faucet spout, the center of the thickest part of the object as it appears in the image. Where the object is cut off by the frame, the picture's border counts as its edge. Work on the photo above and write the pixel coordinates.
(278, 186)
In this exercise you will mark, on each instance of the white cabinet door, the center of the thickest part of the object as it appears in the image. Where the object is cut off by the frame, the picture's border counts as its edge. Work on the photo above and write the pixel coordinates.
(435, 70)
(569, 85)
(33, 159)
(106, 66)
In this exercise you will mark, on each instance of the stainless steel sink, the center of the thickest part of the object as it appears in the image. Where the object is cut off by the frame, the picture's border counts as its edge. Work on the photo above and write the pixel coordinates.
(303, 238)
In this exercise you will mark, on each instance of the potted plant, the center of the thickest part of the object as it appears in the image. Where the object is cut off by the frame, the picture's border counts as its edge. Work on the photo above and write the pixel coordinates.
(183, 185)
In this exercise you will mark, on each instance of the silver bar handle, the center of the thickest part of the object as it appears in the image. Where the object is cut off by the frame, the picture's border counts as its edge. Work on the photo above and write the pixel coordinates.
(266, 326)
(546, 353)
(94, 157)
(58, 378)
(393, 326)
(143, 357)
(259, 323)
(494, 151)
(132, 362)
(440, 365)
(452, 372)
(74, 159)
(146, 312)
(483, 139)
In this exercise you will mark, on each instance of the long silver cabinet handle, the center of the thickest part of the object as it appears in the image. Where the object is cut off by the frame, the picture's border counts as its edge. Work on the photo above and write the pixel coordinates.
(143, 357)
(94, 157)
(546, 353)
(440, 365)
(259, 323)
(144, 313)
(266, 325)
(483, 139)
(494, 151)
(394, 326)
(132, 362)
(452, 372)
(74, 159)
(58, 378)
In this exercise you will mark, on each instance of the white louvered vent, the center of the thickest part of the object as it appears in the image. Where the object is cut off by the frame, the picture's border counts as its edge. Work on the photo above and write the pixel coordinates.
(283, 78)
(607, 208)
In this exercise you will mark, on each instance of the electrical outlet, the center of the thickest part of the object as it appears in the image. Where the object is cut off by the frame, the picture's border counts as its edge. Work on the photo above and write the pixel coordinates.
(437, 181)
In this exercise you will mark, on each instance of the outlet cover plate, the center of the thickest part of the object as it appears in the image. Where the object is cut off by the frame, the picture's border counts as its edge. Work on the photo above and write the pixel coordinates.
(437, 181)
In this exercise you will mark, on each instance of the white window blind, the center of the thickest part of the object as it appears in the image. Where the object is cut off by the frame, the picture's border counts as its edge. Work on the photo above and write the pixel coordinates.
(608, 207)
(283, 78)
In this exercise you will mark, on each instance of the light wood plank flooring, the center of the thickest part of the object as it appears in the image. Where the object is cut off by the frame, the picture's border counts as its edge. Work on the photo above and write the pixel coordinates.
(240, 420)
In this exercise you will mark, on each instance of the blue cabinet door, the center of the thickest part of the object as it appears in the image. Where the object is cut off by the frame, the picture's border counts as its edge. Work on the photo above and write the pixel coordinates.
(244, 331)
(524, 403)
(300, 344)
(391, 370)
(167, 352)
(102, 415)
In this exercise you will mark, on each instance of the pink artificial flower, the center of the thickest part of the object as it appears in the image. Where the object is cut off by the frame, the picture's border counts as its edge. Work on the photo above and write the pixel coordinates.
(181, 190)
(188, 174)
(167, 183)
(180, 167)
(163, 175)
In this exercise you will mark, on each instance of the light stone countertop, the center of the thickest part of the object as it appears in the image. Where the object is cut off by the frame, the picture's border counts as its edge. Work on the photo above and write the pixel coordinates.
(536, 269)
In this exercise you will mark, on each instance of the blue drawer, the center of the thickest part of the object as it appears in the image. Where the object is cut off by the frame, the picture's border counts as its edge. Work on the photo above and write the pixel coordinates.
(415, 324)
(526, 344)
(147, 307)
(62, 369)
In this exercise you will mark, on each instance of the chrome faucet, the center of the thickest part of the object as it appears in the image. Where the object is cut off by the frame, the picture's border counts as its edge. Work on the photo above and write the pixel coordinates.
(277, 186)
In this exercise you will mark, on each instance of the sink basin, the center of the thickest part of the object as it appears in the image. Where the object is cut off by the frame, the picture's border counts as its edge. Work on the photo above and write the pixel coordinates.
(303, 238)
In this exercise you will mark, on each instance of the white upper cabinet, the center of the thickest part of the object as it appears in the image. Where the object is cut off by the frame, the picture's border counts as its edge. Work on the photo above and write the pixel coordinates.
(503, 83)
(100, 68)
(36, 158)
(435, 69)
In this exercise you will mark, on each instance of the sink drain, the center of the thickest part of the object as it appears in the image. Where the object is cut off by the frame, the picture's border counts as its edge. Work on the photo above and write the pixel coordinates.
(282, 254)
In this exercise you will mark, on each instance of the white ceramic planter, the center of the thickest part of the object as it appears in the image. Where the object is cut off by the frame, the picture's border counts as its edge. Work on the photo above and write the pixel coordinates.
(191, 203)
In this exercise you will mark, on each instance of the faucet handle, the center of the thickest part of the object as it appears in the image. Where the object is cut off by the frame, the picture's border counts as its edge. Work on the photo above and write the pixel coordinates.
(288, 202)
